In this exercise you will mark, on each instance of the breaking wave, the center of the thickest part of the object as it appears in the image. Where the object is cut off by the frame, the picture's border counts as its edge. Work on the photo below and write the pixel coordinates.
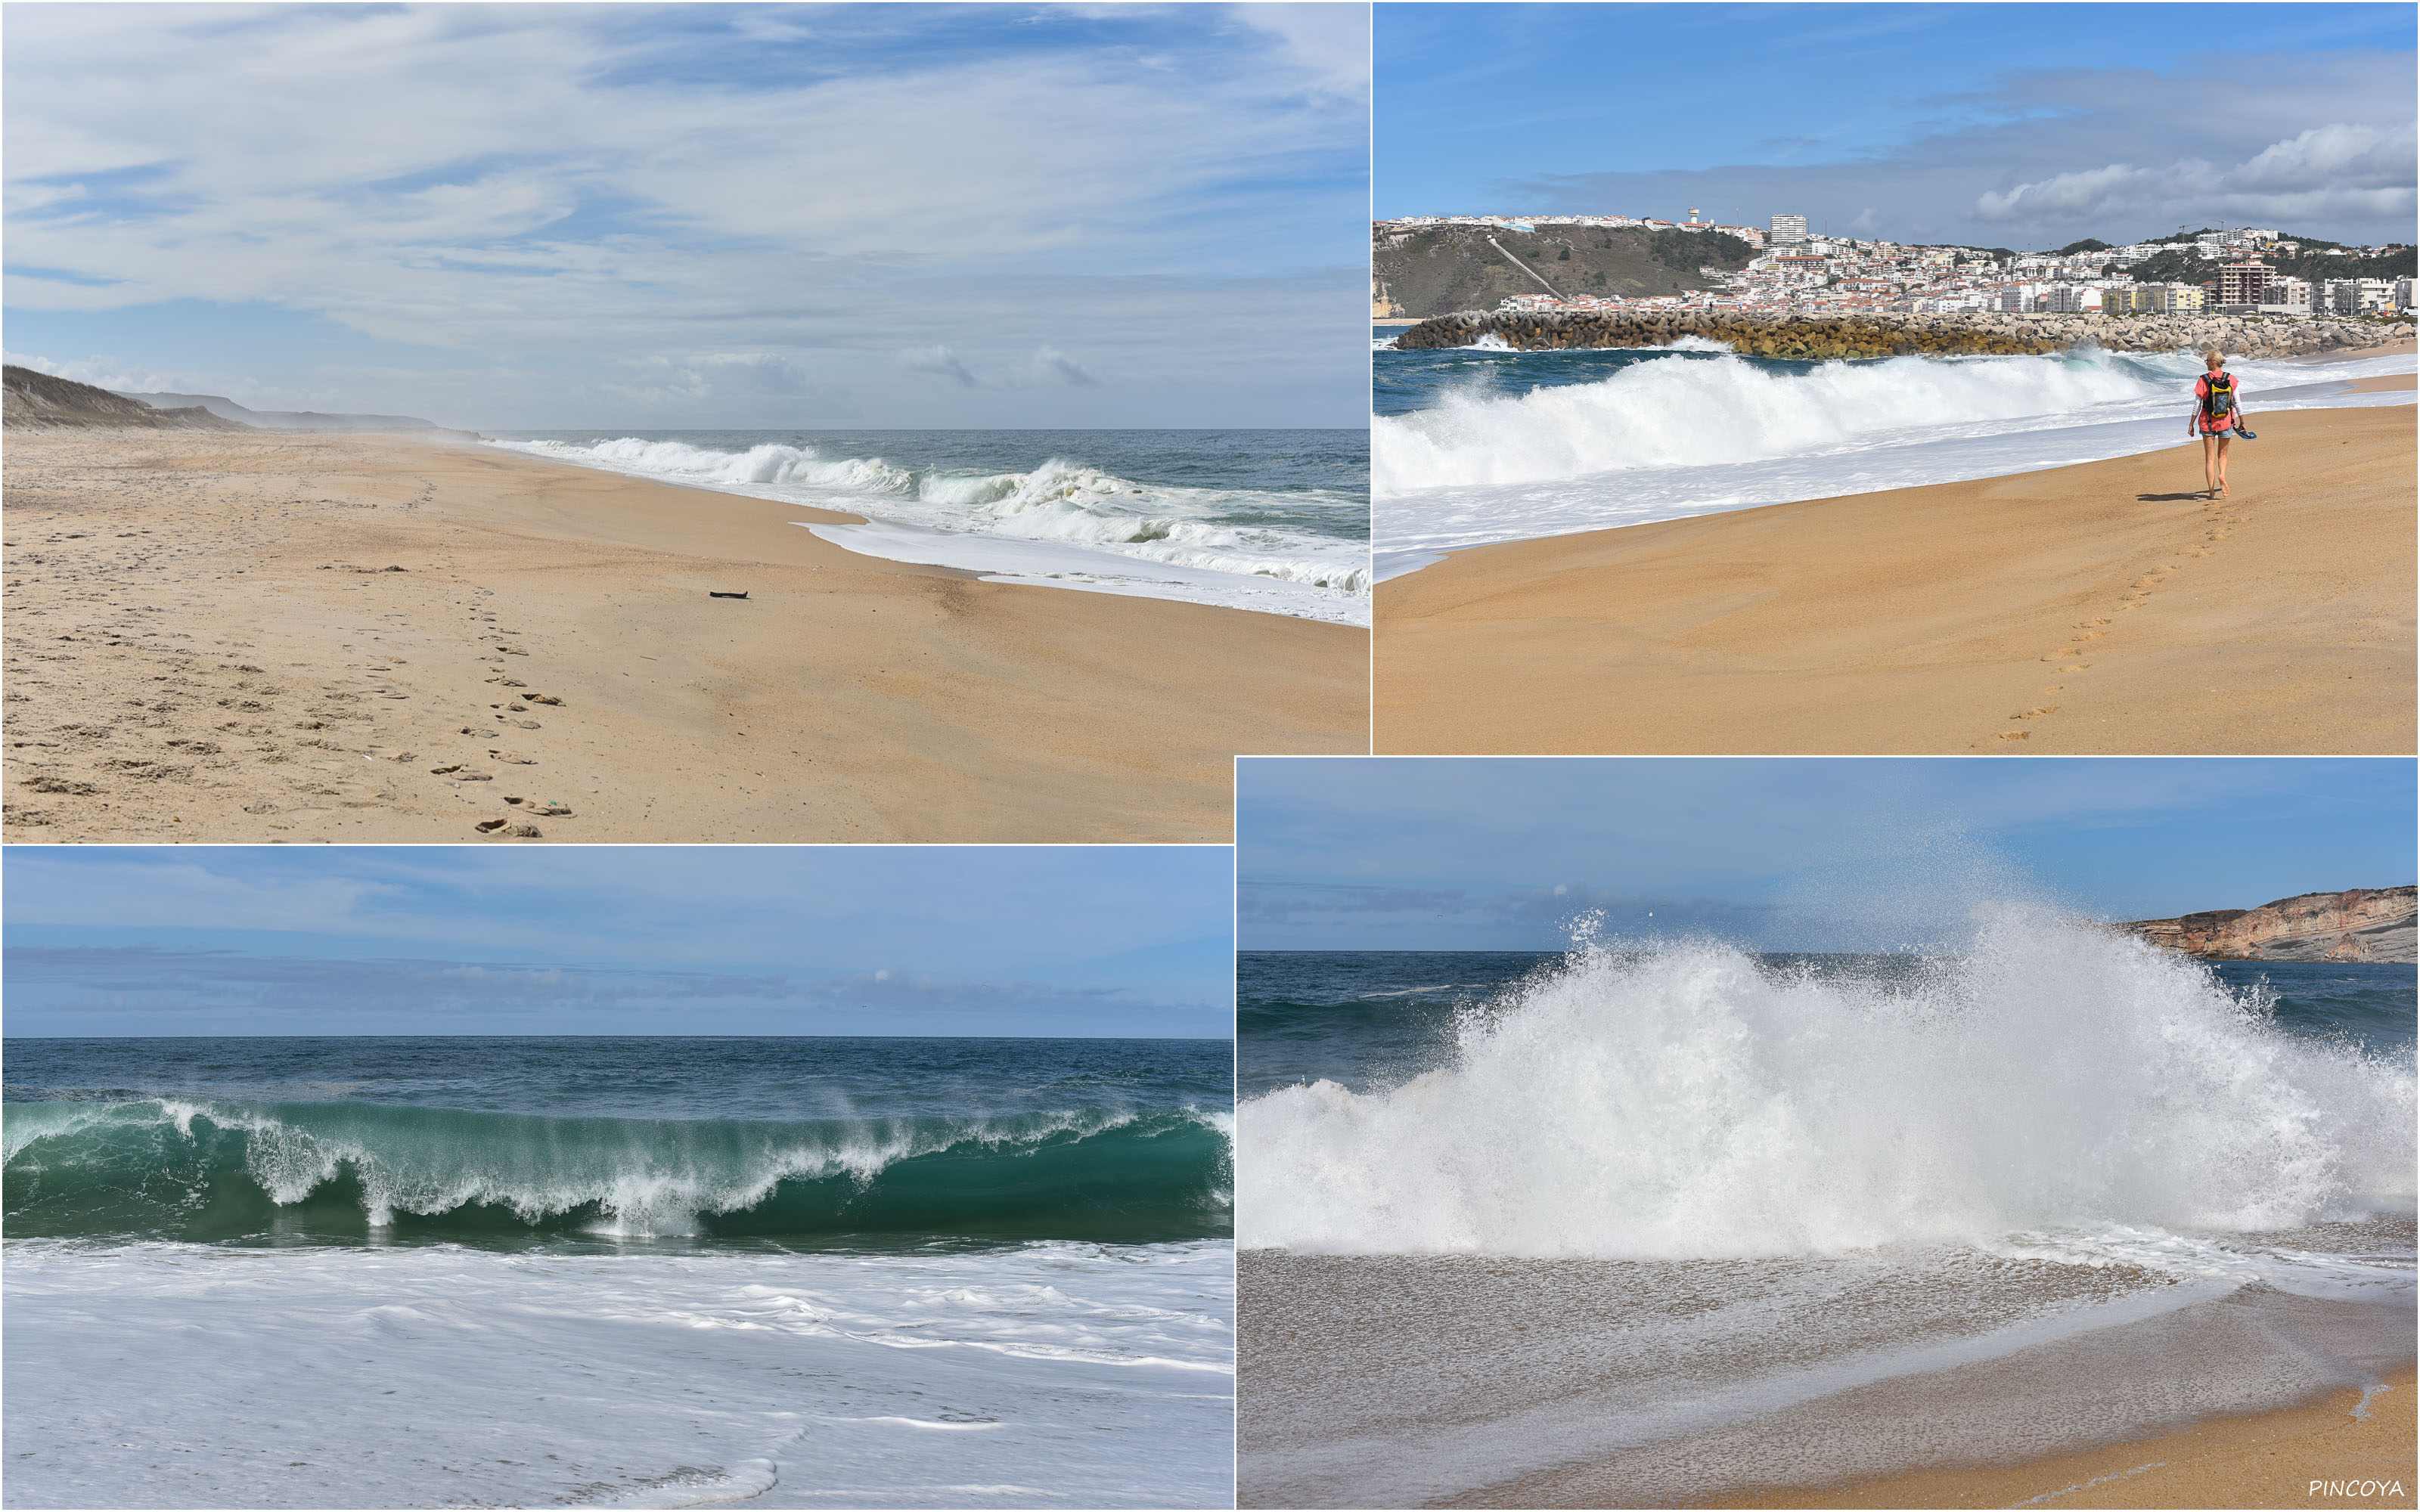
(1716, 408)
(163, 1168)
(1238, 530)
(1684, 1103)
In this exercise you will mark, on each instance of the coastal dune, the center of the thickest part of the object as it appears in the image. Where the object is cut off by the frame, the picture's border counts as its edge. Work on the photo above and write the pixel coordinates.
(2099, 608)
(261, 637)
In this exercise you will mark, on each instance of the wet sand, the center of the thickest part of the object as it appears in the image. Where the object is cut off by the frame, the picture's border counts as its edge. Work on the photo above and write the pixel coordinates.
(1866, 1381)
(2105, 608)
(276, 637)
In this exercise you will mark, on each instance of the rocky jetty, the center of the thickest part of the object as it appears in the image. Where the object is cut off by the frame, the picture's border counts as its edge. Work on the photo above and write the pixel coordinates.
(1822, 337)
(37, 401)
(2373, 924)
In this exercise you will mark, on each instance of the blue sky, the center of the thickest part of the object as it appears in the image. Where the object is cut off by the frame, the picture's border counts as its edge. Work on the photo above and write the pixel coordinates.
(1360, 854)
(2024, 126)
(669, 216)
(1121, 941)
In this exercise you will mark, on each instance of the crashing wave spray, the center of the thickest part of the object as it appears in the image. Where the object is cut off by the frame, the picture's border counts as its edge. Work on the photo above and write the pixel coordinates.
(1690, 413)
(1686, 1102)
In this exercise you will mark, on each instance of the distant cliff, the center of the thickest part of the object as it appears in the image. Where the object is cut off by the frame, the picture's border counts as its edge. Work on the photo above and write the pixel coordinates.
(38, 401)
(281, 419)
(1823, 337)
(2373, 924)
(1439, 269)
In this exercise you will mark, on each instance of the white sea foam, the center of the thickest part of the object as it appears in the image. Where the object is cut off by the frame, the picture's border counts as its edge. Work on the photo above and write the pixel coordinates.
(1669, 438)
(1079, 525)
(176, 1375)
(2058, 1080)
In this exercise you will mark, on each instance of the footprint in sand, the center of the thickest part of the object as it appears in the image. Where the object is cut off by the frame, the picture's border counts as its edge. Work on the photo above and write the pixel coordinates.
(2035, 713)
(2015, 734)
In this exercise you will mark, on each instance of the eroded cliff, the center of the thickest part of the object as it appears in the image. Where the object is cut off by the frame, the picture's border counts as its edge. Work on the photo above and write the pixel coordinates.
(2372, 924)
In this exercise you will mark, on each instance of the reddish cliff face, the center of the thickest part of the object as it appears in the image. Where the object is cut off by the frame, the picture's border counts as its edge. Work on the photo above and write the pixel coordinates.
(2366, 924)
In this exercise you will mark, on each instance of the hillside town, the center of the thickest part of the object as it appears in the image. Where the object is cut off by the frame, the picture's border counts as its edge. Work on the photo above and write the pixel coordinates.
(1796, 269)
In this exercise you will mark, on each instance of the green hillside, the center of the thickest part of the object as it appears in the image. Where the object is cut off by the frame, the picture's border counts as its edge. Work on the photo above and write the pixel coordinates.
(2317, 260)
(1439, 269)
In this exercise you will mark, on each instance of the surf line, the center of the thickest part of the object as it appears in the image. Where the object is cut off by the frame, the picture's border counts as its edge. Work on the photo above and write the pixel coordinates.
(2097, 1480)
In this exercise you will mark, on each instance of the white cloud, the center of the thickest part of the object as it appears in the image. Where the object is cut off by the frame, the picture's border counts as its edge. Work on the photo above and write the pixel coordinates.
(937, 360)
(2325, 175)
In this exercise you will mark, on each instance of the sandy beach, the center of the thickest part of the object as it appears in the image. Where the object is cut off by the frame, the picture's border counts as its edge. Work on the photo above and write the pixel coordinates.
(2105, 608)
(288, 637)
(2265, 1459)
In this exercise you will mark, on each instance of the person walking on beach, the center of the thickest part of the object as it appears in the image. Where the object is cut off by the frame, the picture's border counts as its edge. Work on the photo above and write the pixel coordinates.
(2215, 416)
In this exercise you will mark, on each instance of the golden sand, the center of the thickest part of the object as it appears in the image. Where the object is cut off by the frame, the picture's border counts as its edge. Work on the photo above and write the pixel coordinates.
(2314, 1454)
(206, 640)
(2105, 608)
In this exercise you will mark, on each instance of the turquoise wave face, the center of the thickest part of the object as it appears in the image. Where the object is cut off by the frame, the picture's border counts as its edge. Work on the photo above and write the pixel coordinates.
(162, 1168)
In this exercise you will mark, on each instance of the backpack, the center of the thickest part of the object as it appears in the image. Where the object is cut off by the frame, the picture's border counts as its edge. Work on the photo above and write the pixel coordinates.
(2219, 398)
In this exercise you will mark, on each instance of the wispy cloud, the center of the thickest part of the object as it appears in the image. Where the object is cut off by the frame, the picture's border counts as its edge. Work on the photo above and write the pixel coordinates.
(1048, 365)
(549, 190)
(937, 360)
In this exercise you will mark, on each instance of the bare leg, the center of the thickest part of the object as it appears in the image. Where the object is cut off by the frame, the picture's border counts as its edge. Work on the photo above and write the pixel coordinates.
(2210, 445)
(2222, 465)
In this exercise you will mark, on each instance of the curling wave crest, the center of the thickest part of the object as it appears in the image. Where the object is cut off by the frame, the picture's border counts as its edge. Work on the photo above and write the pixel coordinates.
(2055, 1084)
(162, 1167)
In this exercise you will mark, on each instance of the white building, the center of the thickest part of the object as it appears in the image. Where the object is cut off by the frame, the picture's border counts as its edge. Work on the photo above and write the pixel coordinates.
(1786, 231)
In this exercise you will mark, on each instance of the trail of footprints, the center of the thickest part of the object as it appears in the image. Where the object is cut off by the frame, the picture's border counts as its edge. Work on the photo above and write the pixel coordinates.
(516, 701)
(2218, 521)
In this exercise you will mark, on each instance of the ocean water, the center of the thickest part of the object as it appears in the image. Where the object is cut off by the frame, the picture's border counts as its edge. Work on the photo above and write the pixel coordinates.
(1270, 520)
(1717, 1219)
(1481, 444)
(639, 1272)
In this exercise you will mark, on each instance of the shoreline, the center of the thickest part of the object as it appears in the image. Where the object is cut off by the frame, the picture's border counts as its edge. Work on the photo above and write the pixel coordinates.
(1906, 621)
(269, 637)
(2109, 441)
(1020, 561)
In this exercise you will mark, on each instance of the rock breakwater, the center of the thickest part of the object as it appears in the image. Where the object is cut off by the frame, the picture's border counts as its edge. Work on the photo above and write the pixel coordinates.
(1819, 337)
(2373, 924)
